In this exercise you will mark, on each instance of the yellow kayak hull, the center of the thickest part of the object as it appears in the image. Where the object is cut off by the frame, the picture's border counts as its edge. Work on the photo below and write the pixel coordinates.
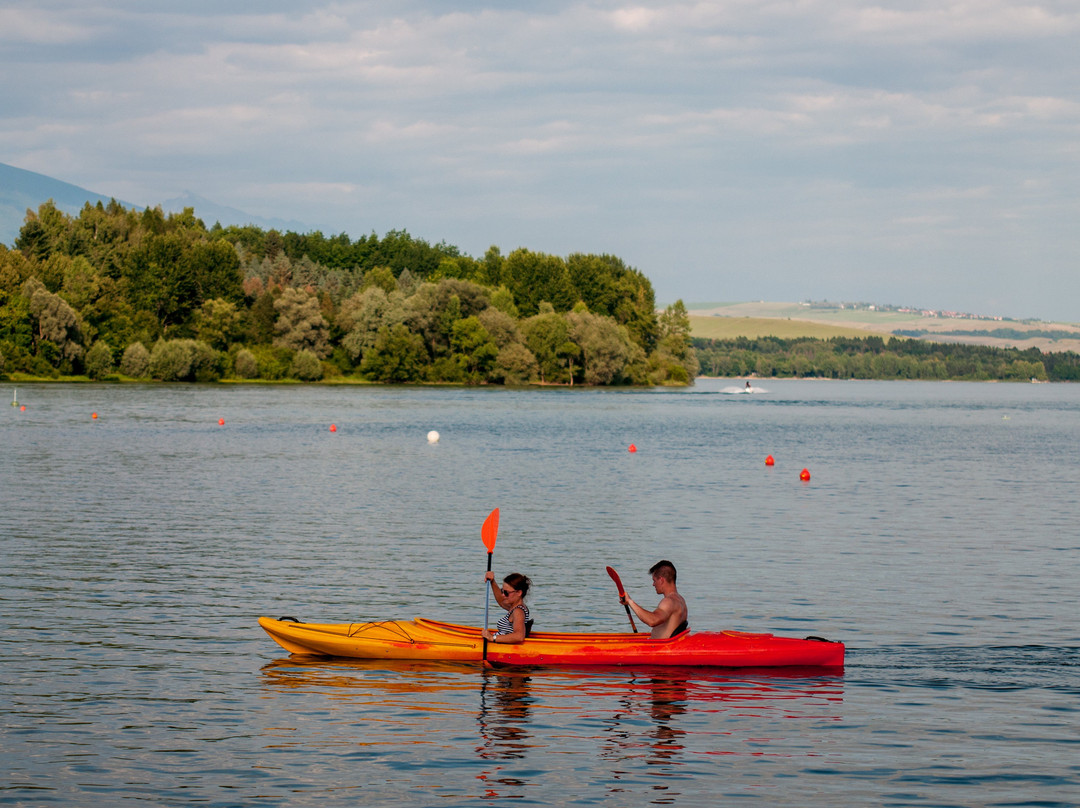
(423, 639)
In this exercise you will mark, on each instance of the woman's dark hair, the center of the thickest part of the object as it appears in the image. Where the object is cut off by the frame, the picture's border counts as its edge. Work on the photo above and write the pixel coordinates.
(520, 582)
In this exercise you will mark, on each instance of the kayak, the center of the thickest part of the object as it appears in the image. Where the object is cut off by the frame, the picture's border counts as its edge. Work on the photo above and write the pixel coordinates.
(423, 639)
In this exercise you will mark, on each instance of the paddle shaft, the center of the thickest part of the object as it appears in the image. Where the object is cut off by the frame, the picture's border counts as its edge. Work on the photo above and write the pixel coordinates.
(487, 600)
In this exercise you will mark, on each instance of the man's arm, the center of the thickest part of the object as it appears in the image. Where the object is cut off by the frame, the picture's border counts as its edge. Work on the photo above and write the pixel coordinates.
(654, 618)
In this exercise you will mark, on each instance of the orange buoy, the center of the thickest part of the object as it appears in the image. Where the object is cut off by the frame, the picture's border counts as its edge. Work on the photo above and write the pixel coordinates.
(769, 461)
(632, 448)
(333, 428)
(804, 475)
(22, 408)
(221, 422)
(94, 416)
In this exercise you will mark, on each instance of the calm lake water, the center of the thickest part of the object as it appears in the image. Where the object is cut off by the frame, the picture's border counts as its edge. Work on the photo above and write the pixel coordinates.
(938, 537)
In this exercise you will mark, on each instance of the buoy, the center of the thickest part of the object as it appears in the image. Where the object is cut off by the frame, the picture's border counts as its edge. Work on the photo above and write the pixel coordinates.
(221, 422)
(333, 428)
(769, 461)
(804, 475)
(433, 436)
(94, 416)
(632, 448)
(22, 408)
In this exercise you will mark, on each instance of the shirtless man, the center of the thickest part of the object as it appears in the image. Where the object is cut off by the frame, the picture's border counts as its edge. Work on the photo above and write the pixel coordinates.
(670, 616)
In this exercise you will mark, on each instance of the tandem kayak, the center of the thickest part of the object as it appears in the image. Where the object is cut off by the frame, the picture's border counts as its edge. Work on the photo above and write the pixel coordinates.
(422, 639)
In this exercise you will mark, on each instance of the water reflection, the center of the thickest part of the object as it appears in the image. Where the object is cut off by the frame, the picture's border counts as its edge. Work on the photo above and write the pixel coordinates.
(504, 714)
(653, 732)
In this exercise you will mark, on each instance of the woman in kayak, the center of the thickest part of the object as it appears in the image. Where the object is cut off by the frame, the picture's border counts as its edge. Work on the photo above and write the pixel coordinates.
(513, 627)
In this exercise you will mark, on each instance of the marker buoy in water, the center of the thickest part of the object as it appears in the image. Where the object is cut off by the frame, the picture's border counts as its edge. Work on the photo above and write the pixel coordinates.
(804, 475)
(769, 461)
(22, 408)
(632, 448)
(221, 422)
(93, 417)
(433, 436)
(333, 427)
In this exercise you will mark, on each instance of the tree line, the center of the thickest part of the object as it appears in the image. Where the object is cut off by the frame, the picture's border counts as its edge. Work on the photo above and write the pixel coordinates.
(878, 358)
(115, 293)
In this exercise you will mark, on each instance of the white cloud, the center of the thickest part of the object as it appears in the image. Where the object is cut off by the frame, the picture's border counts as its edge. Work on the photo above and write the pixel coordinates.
(809, 136)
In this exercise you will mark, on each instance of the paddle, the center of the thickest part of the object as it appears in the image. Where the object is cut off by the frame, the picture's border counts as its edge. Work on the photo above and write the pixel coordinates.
(622, 593)
(488, 533)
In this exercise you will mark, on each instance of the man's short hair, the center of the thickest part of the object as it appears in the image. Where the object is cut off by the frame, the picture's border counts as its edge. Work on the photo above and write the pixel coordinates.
(665, 569)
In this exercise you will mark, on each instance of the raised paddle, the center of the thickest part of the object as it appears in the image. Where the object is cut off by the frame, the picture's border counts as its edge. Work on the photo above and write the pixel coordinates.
(622, 593)
(488, 533)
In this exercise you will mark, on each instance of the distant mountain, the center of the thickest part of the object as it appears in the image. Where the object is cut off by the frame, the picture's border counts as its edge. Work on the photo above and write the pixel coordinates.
(21, 190)
(211, 212)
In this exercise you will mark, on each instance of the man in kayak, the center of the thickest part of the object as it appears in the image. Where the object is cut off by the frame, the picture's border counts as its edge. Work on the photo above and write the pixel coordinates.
(670, 616)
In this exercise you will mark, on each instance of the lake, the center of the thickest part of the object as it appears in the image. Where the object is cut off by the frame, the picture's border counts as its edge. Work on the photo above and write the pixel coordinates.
(937, 537)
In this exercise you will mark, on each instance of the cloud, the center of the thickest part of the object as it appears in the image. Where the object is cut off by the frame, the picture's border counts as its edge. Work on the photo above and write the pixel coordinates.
(773, 138)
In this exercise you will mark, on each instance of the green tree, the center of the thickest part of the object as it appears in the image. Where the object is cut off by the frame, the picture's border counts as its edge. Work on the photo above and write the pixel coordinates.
(99, 360)
(472, 341)
(605, 346)
(245, 366)
(515, 365)
(136, 361)
(300, 324)
(306, 367)
(547, 335)
(398, 356)
(536, 277)
(56, 323)
(218, 323)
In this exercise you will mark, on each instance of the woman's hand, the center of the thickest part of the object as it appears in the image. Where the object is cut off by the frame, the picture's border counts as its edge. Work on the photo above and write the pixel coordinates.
(486, 634)
(489, 576)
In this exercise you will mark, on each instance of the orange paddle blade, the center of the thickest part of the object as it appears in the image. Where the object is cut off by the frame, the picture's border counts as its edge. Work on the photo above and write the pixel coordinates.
(490, 531)
(615, 577)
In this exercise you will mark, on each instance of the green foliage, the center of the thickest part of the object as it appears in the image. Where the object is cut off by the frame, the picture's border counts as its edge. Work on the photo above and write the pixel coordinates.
(516, 365)
(398, 355)
(397, 307)
(99, 360)
(472, 342)
(306, 367)
(245, 365)
(874, 358)
(185, 360)
(136, 361)
(300, 325)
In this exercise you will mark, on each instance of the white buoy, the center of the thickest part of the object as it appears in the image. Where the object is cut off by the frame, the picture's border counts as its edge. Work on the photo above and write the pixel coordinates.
(433, 436)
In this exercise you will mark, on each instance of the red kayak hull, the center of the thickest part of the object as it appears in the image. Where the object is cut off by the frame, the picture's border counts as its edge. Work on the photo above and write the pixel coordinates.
(434, 640)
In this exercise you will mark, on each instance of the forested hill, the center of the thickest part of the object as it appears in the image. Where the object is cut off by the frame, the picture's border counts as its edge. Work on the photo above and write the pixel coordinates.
(118, 292)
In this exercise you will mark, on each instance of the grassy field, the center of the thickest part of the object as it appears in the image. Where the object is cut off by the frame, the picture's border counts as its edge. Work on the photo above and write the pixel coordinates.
(732, 327)
(789, 320)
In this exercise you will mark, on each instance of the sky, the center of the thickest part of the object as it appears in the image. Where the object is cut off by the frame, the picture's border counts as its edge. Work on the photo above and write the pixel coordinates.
(906, 153)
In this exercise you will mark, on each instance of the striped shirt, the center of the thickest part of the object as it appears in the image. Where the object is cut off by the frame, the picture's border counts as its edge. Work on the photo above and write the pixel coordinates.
(506, 625)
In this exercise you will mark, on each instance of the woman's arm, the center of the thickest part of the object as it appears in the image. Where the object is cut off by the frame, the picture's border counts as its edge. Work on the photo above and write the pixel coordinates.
(496, 590)
(517, 636)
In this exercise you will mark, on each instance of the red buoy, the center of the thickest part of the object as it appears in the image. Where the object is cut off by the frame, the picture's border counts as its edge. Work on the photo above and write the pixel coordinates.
(22, 408)
(333, 428)
(94, 416)
(804, 475)
(221, 422)
(769, 461)
(632, 448)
